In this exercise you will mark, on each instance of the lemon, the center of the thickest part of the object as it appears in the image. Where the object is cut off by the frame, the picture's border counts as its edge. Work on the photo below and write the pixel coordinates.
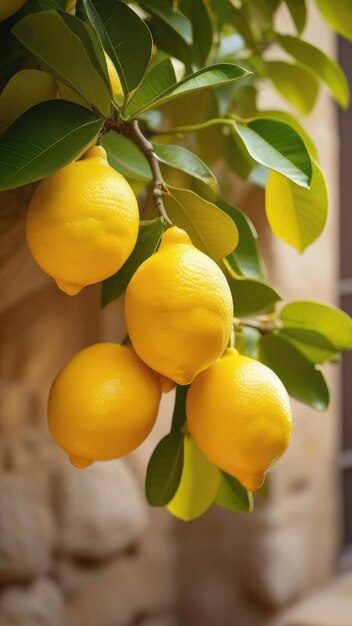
(178, 309)
(82, 222)
(239, 414)
(9, 7)
(114, 78)
(103, 403)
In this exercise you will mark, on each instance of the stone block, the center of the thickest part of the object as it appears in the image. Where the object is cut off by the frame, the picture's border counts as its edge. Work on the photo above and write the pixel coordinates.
(38, 604)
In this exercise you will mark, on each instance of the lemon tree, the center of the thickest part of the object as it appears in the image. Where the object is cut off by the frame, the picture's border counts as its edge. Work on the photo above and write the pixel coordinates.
(119, 112)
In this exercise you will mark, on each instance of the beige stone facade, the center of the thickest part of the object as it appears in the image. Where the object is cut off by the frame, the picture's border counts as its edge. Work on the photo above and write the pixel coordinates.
(82, 548)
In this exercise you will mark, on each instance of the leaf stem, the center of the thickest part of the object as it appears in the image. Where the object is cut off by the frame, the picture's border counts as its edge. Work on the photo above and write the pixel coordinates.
(264, 324)
(218, 121)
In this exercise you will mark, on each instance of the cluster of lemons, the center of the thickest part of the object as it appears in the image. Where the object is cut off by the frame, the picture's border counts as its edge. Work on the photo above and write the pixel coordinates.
(82, 226)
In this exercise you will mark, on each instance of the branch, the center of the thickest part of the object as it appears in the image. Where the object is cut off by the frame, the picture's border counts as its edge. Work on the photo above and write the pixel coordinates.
(133, 132)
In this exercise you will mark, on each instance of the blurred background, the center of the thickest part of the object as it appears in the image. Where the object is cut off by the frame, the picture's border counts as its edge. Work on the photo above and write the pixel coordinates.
(82, 548)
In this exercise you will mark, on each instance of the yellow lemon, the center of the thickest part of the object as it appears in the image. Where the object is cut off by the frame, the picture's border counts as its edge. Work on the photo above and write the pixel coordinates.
(178, 309)
(239, 414)
(114, 78)
(82, 222)
(103, 403)
(9, 7)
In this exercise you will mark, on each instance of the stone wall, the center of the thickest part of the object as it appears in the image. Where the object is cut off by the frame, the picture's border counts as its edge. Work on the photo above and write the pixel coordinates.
(81, 548)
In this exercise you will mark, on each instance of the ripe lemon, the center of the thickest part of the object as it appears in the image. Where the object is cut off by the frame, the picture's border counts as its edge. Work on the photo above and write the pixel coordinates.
(178, 309)
(239, 414)
(103, 403)
(82, 222)
(114, 78)
(9, 7)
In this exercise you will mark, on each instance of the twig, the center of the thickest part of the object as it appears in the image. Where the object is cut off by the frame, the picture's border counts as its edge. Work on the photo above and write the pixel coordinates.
(132, 131)
(264, 325)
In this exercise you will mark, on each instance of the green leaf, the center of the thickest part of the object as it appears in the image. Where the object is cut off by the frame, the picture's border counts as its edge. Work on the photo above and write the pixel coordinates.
(298, 12)
(158, 80)
(277, 146)
(198, 487)
(251, 296)
(149, 236)
(179, 23)
(45, 138)
(283, 116)
(24, 90)
(197, 12)
(338, 15)
(166, 39)
(333, 324)
(210, 229)
(245, 258)
(32, 6)
(179, 413)
(125, 157)
(296, 215)
(125, 38)
(184, 160)
(232, 496)
(295, 84)
(165, 470)
(301, 379)
(209, 77)
(55, 38)
(237, 156)
(323, 67)
(313, 345)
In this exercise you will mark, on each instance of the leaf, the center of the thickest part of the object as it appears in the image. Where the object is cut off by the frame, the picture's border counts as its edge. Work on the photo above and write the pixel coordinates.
(179, 413)
(251, 296)
(209, 228)
(198, 487)
(24, 90)
(329, 321)
(296, 215)
(245, 257)
(52, 37)
(313, 345)
(232, 496)
(165, 470)
(124, 36)
(323, 67)
(295, 84)
(277, 146)
(32, 6)
(283, 116)
(237, 156)
(298, 12)
(184, 160)
(209, 77)
(197, 12)
(338, 15)
(167, 40)
(125, 157)
(45, 138)
(158, 80)
(179, 23)
(301, 379)
(149, 236)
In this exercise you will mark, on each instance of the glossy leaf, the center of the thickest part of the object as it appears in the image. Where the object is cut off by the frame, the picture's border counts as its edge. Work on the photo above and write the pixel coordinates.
(162, 9)
(251, 296)
(296, 215)
(245, 258)
(55, 38)
(298, 12)
(45, 138)
(333, 324)
(300, 377)
(32, 6)
(24, 90)
(209, 77)
(210, 229)
(179, 412)
(168, 41)
(198, 486)
(197, 11)
(338, 15)
(125, 38)
(277, 146)
(313, 345)
(284, 116)
(232, 496)
(295, 84)
(184, 160)
(149, 236)
(165, 470)
(158, 80)
(125, 157)
(237, 156)
(323, 67)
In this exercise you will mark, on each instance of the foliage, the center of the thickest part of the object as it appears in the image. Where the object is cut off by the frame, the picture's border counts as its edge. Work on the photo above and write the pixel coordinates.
(190, 71)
